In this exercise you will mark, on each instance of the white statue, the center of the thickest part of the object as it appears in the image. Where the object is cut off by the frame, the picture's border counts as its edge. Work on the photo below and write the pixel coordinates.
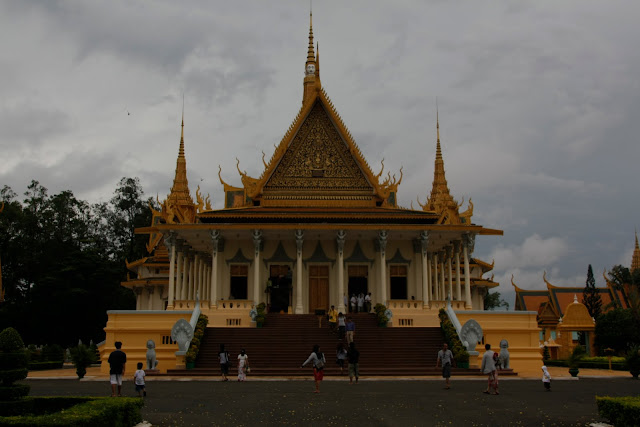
(152, 363)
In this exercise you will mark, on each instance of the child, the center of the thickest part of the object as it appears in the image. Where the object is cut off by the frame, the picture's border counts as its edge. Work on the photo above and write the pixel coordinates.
(138, 379)
(546, 378)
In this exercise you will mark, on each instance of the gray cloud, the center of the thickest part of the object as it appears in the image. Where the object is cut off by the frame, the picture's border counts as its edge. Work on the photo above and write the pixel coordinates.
(537, 106)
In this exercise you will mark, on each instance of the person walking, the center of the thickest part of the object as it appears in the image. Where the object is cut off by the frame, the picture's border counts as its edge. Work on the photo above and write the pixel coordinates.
(351, 329)
(223, 357)
(117, 363)
(353, 356)
(341, 355)
(138, 379)
(546, 378)
(243, 364)
(341, 326)
(488, 367)
(353, 302)
(333, 319)
(445, 357)
(319, 363)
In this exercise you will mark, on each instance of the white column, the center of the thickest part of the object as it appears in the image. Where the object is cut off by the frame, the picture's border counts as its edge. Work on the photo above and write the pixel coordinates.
(217, 242)
(449, 257)
(382, 238)
(467, 246)
(138, 291)
(184, 292)
(196, 276)
(340, 238)
(200, 278)
(456, 250)
(436, 285)
(299, 243)
(424, 243)
(443, 285)
(150, 300)
(170, 242)
(190, 282)
(429, 279)
(180, 260)
(257, 246)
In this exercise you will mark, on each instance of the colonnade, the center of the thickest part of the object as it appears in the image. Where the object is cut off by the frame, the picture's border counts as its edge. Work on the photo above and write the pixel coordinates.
(192, 273)
(437, 270)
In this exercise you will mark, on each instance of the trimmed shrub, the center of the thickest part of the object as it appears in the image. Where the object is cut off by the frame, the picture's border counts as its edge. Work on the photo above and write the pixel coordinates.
(79, 411)
(460, 353)
(589, 364)
(13, 392)
(42, 366)
(620, 411)
(82, 357)
(198, 333)
(14, 358)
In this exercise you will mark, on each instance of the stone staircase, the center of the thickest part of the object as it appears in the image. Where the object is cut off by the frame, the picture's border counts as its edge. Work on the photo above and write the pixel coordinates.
(285, 341)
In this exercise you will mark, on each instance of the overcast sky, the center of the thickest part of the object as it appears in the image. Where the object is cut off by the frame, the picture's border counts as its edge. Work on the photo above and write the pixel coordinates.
(539, 106)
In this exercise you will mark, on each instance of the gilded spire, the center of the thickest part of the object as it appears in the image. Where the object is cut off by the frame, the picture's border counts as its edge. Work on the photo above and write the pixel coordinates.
(318, 60)
(180, 190)
(635, 259)
(440, 197)
(311, 57)
(311, 76)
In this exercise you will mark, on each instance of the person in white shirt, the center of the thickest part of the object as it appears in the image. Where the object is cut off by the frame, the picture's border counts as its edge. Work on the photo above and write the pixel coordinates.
(319, 363)
(546, 378)
(138, 379)
(354, 301)
(360, 303)
(446, 358)
(243, 364)
(489, 367)
(367, 302)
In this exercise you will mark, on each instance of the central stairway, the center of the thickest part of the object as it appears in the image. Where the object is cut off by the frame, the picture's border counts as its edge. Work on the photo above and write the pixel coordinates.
(285, 341)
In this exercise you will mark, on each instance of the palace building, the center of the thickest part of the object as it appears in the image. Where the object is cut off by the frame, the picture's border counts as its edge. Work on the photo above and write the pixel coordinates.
(317, 226)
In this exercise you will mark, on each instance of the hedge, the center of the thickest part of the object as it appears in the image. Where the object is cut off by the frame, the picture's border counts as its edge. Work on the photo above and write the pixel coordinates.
(460, 354)
(588, 364)
(620, 411)
(79, 412)
(42, 366)
(13, 392)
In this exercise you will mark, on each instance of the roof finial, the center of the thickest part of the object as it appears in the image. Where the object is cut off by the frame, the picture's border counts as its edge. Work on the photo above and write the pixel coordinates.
(635, 258)
(637, 247)
(438, 149)
(318, 59)
(181, 151)
(311, 57)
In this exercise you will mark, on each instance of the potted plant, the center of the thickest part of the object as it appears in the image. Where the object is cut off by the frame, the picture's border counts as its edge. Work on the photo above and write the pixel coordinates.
(190, 357)
(380, 310)
(633, 361)
(260, 317)
(82, 357)
(575, 357)
(461, 356)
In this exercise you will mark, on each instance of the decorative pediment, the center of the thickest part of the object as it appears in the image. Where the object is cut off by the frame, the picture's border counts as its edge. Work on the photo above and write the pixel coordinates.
(279, 256)
(318, 164)
(239, 258)
(319, 255)
(357, 256)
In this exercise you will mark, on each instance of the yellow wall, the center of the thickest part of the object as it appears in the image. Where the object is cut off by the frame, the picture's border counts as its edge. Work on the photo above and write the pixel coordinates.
(134, 329)
(520, 329)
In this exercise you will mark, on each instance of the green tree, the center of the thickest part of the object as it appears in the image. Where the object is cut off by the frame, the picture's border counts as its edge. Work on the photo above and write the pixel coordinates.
(617, 329)
(590, 296)
(493, 301)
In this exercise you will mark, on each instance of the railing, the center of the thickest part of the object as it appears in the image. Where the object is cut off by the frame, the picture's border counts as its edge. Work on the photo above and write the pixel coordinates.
(453, 318)
(235, 304)
(438, 304)
(405, 304)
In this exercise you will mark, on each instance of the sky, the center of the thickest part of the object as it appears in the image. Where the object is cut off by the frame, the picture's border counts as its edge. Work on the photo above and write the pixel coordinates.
(538, 103)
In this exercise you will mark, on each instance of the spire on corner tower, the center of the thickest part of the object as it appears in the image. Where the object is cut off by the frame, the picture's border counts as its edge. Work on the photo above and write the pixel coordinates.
(179, 206)
(635, 259)
(311, 75)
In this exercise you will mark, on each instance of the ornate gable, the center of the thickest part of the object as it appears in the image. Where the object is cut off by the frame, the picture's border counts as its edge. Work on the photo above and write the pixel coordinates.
(318, 168)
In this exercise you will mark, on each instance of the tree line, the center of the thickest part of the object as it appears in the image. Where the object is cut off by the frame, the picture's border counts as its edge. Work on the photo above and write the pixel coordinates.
(63, 259)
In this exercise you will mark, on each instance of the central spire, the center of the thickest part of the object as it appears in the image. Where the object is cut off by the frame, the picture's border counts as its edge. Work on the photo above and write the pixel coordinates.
(635, 259)
(311, 77)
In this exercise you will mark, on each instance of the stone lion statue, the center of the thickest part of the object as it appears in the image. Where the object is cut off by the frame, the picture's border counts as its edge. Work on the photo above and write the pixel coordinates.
(152, 363)
(503, 357)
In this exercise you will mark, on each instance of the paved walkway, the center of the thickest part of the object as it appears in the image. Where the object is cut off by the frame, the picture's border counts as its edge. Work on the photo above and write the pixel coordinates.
(371, 402)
